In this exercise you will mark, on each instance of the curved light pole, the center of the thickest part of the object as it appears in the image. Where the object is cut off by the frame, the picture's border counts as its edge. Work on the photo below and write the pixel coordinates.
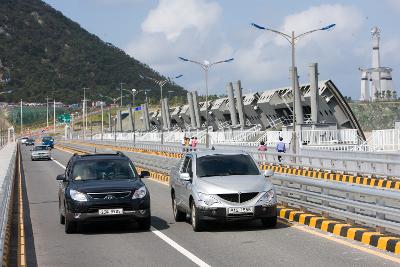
(206, 65)
(292, 38)
(161, 83)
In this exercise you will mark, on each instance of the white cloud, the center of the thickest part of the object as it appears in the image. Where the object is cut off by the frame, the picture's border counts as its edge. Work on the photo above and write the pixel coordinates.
(172, 17)
(348, 20)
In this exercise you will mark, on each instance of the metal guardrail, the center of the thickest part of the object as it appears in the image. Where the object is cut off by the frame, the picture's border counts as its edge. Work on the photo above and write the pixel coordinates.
(356, 204)
(5, 200)
(345, 164)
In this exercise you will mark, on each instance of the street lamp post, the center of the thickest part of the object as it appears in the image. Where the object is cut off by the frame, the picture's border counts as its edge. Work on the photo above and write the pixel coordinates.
(21, 119)
(297, 97)
(84, 113)
(206, 65)
(47, 112)
(102, 120)
(161, 83)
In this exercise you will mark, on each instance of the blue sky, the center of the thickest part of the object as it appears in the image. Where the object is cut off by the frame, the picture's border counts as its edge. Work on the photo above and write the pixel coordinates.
(156, 32)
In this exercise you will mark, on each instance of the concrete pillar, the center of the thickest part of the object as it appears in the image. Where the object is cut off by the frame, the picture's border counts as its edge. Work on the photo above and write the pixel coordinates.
(119, 120)
(167, 114)
(147, 117)
(191, 110)
(314, 94)
(364, 87)
(109, 122)
(163, 115)
(130, 118)
(297, 100)
(239, 103)
(232, 108)
(196, 109)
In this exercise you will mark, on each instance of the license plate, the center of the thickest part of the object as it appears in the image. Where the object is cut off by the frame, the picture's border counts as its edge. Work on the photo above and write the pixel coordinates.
(110, 211)
(240, 210)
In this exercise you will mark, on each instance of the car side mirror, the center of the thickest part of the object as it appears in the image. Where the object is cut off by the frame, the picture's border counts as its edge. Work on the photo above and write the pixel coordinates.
(185, 176)
(144, 174)
(269, 173)
(61, 177)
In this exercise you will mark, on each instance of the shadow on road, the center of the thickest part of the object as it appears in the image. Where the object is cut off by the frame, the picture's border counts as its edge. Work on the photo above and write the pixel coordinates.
(119, 227)
(242, 226)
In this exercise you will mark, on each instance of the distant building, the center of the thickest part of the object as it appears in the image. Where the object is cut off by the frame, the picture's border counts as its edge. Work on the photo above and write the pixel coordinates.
(376, 82)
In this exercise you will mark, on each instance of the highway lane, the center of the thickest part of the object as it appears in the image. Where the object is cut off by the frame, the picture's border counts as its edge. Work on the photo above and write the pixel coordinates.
(221, 245)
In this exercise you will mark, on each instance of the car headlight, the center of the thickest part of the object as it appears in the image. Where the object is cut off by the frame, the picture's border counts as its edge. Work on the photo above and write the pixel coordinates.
(207, 199)
(77, 196)
(267, 196)
(140, 193)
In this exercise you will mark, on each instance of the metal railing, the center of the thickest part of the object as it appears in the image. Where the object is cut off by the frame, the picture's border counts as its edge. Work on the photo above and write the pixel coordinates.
(357, 164)
(355, 204)
(5, 199)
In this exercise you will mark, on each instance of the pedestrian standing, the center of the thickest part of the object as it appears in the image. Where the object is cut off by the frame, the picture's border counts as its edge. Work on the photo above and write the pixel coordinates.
(187, 144)
(262, 148)
(280, 148)
(194, 143)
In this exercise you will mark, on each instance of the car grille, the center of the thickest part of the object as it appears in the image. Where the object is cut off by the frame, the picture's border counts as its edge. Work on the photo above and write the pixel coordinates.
(238, 198)
(124, 206)
(110, 195)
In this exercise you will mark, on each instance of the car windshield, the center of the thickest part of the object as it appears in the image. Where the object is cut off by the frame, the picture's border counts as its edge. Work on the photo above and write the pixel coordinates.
(225, 165)
(40, 148)
(47, 139)
(103, 170)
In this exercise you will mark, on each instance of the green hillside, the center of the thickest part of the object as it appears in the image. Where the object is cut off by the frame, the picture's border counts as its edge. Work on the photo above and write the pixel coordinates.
(49, 54)
(377, 115)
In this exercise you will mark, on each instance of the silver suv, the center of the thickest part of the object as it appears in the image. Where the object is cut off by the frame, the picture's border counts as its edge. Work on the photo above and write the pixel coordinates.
(222, 186)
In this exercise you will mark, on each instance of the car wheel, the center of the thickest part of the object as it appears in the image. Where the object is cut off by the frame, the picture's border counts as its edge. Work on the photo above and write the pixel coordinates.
(179, 216)
(32, 159)
(269, 222)
(62, 219)
(70, 226)
(197, 224)
(144, 224)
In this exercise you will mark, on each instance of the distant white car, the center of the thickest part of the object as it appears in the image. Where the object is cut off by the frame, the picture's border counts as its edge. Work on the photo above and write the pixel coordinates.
(24, 139)
(41, 152)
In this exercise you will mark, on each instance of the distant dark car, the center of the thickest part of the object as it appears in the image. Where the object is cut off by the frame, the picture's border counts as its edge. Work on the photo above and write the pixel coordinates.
(30, 142)
(48, 141)
(102, 187)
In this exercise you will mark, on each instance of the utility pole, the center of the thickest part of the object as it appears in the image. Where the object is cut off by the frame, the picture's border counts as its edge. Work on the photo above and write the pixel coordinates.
(84, 117)
(21, 119)
(102, 120)
(54, 116)
(47, 113)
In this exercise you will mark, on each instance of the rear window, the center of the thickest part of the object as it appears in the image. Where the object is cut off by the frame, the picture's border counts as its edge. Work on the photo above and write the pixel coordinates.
(225, 165)
(102, 169)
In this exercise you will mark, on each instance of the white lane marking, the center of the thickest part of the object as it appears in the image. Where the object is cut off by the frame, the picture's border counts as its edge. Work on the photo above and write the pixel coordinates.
(165, 238)
(58, 163)
(179, 248)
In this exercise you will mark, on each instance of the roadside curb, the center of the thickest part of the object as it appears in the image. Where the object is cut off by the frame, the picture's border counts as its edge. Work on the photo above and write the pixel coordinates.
(361, 234)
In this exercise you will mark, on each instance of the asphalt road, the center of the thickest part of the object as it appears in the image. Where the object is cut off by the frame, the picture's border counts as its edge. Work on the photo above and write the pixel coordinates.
(235, 244)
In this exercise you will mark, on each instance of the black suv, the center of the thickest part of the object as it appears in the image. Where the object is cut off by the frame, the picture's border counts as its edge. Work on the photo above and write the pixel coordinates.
(102, 187)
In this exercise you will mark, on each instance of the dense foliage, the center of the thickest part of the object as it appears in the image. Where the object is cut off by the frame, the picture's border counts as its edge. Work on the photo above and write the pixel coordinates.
(377, 115)
(50, 55)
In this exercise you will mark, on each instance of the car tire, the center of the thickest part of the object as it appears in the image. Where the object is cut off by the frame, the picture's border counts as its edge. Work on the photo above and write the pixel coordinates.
(269, 222)
(197, 224)
(179, 216)
(144, 224)
(70, 226)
